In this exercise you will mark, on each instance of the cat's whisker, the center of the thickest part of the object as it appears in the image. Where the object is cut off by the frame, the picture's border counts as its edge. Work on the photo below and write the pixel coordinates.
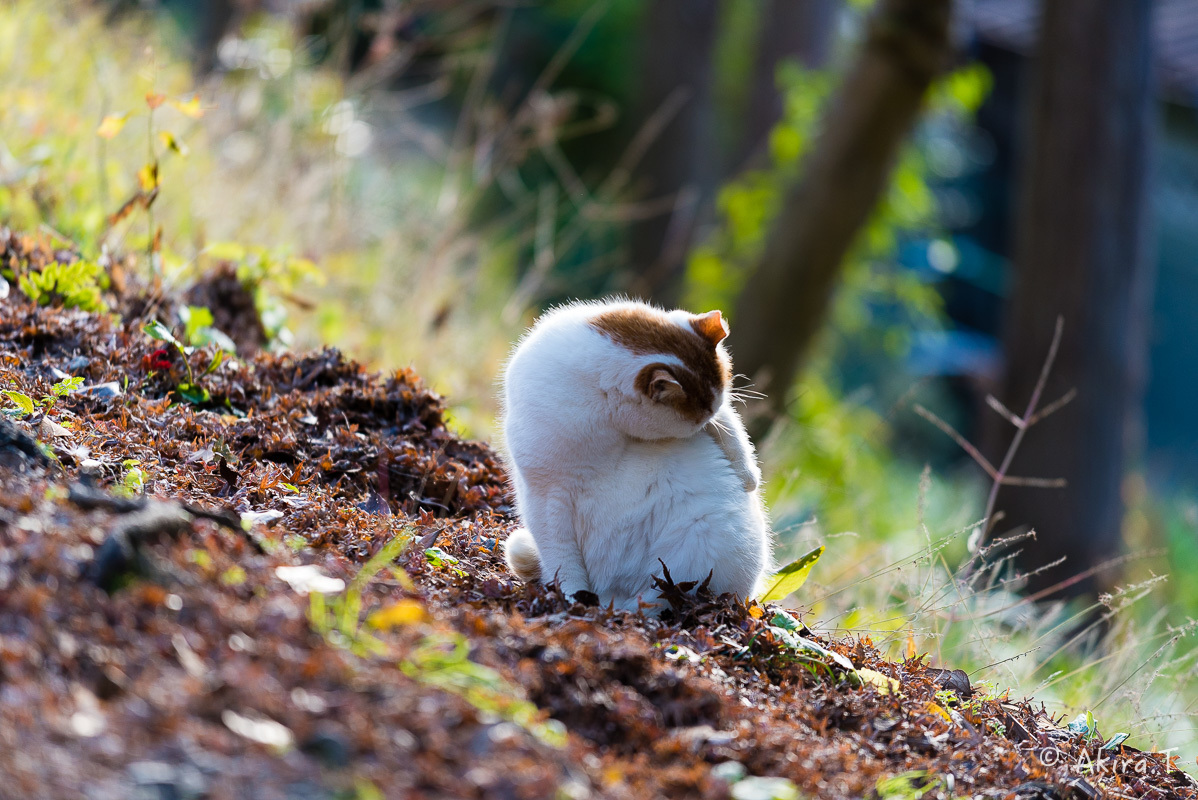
(744, 397)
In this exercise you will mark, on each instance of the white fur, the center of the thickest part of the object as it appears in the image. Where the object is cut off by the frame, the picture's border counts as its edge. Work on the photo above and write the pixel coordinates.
(608, 482)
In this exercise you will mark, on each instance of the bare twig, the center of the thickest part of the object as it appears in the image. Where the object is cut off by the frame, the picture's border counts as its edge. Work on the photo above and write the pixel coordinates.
(1054, 406)
(1003, 411)
(1029, 414)
(999, 476)
(982, 461)
(961, 441)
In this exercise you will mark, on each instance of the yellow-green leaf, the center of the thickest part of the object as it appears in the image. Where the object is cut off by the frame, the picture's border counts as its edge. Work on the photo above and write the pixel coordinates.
(156, 330)
(171, 143)
(190, 108)
(885, 683)
(23, 401)
(938, 710)
(111, 125)
(226, 251)
(791, 577)
(147, 177)
(403, 612)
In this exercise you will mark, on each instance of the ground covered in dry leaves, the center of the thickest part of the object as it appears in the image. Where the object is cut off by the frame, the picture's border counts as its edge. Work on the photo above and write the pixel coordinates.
(157, 640)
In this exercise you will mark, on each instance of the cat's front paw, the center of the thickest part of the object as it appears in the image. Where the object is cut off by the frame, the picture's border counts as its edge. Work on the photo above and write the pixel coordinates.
(750, 475)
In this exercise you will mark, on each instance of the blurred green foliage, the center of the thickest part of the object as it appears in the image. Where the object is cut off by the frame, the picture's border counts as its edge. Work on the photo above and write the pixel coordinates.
(76, 284)
(835, 455)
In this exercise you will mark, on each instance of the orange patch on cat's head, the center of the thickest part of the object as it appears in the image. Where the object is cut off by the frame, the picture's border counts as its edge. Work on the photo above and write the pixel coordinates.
(706, 369)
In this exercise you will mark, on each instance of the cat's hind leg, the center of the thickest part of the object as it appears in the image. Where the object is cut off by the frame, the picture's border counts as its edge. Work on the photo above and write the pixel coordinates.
(553, 548)
(520, 551)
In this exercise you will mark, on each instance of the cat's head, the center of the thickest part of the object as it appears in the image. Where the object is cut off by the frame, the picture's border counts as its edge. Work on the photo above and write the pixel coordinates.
(676, 374)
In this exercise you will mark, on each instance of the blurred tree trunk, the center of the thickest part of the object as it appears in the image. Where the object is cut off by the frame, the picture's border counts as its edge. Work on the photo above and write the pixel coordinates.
(216, 18)
(681, 161)
(1081, 252)
(799, 30)
(785, 300)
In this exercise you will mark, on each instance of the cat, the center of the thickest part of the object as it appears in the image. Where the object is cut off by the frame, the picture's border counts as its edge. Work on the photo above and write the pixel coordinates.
(625, 453)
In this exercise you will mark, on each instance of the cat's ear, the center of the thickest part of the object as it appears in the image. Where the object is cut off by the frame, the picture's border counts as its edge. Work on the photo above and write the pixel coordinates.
(660, 385)
(711, 326)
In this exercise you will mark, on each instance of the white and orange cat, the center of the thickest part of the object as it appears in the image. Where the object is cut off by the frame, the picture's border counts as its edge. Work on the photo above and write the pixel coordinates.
(624, 450)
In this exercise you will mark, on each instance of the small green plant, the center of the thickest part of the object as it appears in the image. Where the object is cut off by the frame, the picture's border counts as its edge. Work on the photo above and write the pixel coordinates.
(440, 660)
(149, 179)
(64, 387)
(134, 481)
(199, 329)
(442, 560)
(79, 284)
(339, 617)
(983, 692)
(444, 661)
(911, 786)
(25, 405)
(270, 275)
(784, 632)
(1085, 725)
(189, 390)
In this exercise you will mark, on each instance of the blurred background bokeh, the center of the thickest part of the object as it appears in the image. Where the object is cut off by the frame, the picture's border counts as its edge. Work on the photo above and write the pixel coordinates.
(956, 241)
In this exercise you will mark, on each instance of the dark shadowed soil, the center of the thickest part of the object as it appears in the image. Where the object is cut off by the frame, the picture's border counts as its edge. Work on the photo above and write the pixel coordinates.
(153, 649)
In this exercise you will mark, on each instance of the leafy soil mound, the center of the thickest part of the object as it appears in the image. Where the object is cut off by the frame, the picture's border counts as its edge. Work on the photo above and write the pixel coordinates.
(153, 646)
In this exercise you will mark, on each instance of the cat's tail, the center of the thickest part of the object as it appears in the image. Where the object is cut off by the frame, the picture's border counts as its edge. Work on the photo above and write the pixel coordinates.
(520, 549)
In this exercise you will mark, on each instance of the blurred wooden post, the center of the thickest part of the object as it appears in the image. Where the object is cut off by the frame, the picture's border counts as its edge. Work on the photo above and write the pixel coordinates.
(1081, 252)
(785, 301)
(681, 162)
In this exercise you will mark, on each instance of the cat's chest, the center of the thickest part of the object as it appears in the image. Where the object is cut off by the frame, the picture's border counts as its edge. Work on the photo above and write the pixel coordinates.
(646, 477)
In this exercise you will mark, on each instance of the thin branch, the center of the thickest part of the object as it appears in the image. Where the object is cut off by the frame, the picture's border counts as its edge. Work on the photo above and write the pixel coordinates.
(961, 441)
(1027, 415)
(1035, 483)
(982, 461)
(1003, 411)
(1054, 406)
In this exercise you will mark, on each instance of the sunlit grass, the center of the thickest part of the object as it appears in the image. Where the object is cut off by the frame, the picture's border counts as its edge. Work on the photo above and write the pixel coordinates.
(280, 161)
(1130, 658)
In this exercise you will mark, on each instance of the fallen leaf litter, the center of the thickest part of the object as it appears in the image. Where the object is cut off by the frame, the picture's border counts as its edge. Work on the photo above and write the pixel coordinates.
(227, 663)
